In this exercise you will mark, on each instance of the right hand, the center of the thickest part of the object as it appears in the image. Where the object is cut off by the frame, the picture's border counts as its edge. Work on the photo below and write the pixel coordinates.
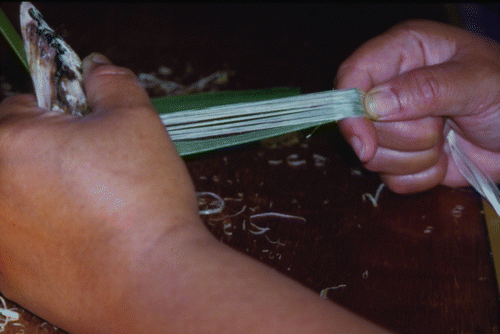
(417, 75)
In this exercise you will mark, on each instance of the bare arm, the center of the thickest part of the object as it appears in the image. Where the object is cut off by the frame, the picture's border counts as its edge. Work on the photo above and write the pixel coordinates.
(99, 231)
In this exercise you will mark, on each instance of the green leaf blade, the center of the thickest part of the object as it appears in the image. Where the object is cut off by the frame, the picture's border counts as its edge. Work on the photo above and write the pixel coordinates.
(13, 39)
(205, 100)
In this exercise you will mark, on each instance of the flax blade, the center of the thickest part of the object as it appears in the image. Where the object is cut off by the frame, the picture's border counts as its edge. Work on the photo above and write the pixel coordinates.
(205, 100)
(191, 147)
(173, 104)
(13, 39)
(307, 111)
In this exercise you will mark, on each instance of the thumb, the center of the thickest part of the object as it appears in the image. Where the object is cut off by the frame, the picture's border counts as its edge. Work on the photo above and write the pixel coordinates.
(451, 89)
(111, 88)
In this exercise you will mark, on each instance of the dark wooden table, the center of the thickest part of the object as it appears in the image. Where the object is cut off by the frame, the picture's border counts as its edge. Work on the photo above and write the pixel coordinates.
(414, 264)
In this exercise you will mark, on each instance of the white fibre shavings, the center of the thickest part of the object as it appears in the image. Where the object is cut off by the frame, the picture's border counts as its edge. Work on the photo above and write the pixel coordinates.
(324, 293)
(229, 216)
(227, 229)
(6, 315)
(319, 160)
(275, 162)
(258, 230)
(219, 203)
(279, 216)
(373, 199)
(277, 242)
(293, 161)
(164, 70)
(365, 274)
(457, 212)
(154, 83)
(356, 172)
(272, 255)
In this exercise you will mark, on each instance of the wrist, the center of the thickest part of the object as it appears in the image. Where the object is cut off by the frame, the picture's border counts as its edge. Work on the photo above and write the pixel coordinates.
(118, 279)
(155, 281)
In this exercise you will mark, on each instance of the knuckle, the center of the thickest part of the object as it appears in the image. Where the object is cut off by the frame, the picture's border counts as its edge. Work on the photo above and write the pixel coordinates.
(424, 92)
(412, 26)
(427, 134)
(402, 31)
(109, 72)
(412, 135)
(347, 70)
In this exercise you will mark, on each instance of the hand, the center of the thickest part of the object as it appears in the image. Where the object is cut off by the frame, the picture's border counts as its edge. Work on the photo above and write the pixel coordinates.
(422, 78)
(99, 228)
(82, 199)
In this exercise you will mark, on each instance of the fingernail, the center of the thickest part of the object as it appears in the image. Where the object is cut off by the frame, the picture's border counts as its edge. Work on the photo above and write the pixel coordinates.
(94, 58)
(381, 103)
(358, 146)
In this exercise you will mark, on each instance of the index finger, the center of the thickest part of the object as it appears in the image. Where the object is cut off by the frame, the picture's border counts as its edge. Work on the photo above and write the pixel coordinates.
(404, 47)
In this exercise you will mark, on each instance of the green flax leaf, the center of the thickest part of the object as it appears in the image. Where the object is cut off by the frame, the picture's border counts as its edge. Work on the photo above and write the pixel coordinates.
(213, 121)
(172, 104)
(13, 39)
(237, 124)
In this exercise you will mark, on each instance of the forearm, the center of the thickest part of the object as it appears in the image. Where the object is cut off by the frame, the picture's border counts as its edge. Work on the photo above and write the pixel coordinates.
(206, 287)
(130, 255)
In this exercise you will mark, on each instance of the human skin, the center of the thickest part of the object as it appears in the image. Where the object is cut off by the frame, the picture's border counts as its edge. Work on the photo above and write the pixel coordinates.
(421, 78)
(100, 233)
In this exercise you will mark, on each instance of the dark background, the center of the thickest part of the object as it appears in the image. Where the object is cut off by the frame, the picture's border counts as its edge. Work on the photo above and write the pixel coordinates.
(415, 264)
(298, 45)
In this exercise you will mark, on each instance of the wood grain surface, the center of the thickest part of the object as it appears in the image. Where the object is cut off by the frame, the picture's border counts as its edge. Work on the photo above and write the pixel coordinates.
(414, 264)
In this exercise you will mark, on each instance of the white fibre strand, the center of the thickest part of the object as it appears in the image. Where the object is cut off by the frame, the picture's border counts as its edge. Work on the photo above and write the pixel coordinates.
(262, 115)
(210, 211)
(479, 180)
(241, 126)
(6, 315)
(328, 98)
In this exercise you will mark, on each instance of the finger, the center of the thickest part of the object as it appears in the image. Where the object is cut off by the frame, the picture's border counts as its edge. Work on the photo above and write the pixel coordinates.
(361, 135)
(112, 88)
(400, 162)
(118, 102)
(416, 135)
(410, 136)
(455, 88)
(404, 47)
(417, 182)
(424, 68)
(382, 58)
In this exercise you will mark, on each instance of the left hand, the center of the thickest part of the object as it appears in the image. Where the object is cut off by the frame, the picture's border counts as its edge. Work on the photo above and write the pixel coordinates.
(82, 198)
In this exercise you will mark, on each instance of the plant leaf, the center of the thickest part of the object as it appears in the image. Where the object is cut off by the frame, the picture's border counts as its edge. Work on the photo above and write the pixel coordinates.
(205, 100)
(189, 102)
(190, 147)
(171, 104)
(13, 39)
